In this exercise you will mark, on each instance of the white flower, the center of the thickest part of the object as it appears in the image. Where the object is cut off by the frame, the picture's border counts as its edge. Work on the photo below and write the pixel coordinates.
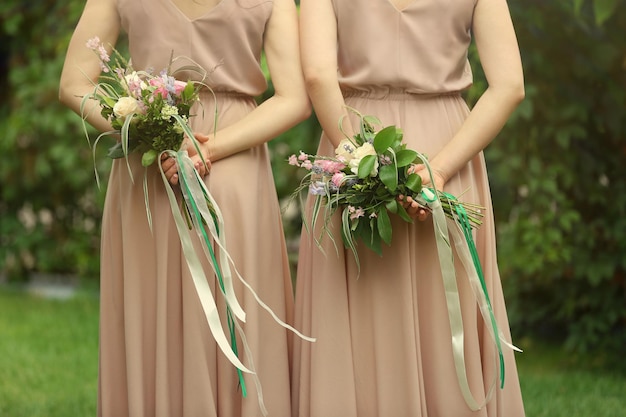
(360, 153)
(345, 150)
(125, 106)
(168, 111)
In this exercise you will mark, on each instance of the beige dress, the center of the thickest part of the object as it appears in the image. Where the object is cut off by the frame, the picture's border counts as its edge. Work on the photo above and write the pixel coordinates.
(157, 355)
(383, 340)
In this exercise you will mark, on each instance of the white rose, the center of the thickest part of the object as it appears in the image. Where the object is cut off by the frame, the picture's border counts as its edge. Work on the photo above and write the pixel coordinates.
(125, 106)
(360, 153)
(345, 150)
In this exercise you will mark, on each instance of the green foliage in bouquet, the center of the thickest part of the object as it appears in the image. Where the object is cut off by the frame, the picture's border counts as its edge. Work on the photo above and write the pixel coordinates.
(365, 179)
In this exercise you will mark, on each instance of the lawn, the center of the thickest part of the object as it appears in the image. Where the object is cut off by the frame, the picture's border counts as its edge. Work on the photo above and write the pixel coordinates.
(49, 348)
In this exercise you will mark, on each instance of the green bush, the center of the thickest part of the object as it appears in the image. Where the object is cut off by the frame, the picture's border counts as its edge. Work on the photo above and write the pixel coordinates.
(50, 208)
(558, 173)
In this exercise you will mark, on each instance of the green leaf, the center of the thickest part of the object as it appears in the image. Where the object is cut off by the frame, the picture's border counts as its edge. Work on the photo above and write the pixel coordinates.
(403, 214)
(603, 9)
(149, 157)
(388, 174)
(384, 139)
(366, 166)
(392, 206)
(384, 226)
(405, 157)
(414, 183)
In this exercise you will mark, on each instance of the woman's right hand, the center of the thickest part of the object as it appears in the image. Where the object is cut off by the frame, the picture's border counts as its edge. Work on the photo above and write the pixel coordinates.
(412, 207)
(170, 168)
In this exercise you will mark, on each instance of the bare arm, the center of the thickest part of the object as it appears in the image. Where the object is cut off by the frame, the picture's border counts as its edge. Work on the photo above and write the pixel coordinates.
(318, 40)
(500, 59)
(289, 104)
(82, 66)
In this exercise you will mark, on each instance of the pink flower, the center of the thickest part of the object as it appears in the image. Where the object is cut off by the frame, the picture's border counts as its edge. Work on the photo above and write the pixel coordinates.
(293, 160)
(330, 167)
(161, 88)
(307, 164)
(337, 179)
(303, 156)
(179, 86)
(355, 213)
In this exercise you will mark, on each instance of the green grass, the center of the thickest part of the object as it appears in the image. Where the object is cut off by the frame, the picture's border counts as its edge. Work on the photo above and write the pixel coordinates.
(557, 384)
(49, 361)
(48, 355)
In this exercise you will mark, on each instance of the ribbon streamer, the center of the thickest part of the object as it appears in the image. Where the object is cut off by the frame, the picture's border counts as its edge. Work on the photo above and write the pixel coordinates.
(461, 234)
(206, 215)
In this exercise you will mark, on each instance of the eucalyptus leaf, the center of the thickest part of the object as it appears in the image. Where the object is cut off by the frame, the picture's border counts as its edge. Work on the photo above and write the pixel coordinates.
(384, 139)
(384, 226)
(366, 166)
(388, 174)
(414, 183)
(405, 157)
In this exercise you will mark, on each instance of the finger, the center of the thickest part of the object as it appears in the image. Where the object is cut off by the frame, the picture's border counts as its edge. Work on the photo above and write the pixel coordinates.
(200, 137)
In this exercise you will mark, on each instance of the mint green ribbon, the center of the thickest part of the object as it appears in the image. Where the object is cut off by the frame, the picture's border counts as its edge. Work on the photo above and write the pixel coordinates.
(467, 252)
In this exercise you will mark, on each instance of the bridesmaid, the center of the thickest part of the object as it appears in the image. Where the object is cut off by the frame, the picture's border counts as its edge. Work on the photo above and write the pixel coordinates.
(384, 341)
(157, 355)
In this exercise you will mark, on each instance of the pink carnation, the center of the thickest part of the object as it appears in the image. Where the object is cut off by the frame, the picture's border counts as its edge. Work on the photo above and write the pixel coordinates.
(330, 167)
(337, 179)
(160, 89)
(179, 86)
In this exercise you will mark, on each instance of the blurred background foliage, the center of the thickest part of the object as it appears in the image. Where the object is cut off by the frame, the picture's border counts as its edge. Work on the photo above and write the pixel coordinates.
(557, 169)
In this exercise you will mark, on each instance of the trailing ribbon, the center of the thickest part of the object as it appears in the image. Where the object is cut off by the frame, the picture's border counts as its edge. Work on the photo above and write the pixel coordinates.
(207, 221)
(466, 250)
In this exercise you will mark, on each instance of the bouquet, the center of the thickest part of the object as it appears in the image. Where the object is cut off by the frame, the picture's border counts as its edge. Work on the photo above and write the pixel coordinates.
(150, 114)
(149, 111)
(364, 180)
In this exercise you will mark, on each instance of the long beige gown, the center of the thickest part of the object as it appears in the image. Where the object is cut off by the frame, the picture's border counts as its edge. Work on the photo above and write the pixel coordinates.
(157, 355)
(383, 344)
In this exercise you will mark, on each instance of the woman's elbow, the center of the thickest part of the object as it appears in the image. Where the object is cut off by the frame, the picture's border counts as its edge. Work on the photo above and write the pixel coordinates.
(518, 92)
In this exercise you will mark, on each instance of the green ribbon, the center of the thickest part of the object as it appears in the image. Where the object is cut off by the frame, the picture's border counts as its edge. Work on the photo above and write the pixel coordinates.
(467, 252)
(197, 221)
(195, 267)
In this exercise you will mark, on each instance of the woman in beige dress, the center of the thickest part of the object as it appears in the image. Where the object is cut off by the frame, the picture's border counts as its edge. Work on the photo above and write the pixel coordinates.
(384, 343)
(157, 355)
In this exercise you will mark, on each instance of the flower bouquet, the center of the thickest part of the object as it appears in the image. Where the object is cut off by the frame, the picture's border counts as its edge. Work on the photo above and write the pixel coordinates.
(365, 179)
(150, 115)
(150, 112)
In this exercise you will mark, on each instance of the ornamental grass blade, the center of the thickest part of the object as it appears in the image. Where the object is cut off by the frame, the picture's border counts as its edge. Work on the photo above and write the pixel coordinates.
(346, 234)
